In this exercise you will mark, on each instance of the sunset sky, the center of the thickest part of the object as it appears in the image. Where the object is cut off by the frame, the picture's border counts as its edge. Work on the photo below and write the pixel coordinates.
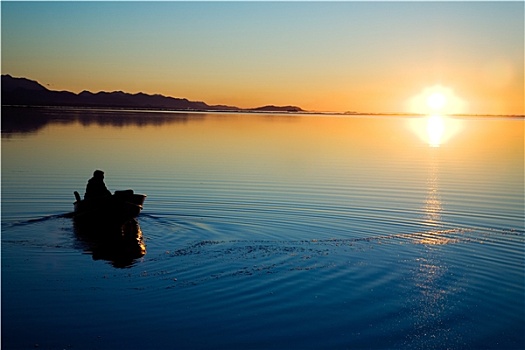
(339, 56)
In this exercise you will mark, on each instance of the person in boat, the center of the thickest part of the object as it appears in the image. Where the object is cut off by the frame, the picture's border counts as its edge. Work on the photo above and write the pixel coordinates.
(96, 188)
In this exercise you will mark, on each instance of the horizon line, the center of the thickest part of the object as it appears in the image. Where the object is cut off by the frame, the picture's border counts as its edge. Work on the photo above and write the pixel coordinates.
(252, 109)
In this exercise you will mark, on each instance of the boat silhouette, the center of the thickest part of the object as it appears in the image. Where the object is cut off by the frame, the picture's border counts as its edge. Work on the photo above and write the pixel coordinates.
(113, 209)
(107, 228)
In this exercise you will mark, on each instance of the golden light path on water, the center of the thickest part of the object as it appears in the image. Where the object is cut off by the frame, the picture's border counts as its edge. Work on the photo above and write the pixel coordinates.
(434, 130)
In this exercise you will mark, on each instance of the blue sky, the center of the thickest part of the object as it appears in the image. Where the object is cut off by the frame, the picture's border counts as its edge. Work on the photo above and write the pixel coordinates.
(338, 56)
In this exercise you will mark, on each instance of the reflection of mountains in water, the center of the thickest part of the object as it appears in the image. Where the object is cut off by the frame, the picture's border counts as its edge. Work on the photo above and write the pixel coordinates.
(22, 120)
(39, 106)
(121, 245)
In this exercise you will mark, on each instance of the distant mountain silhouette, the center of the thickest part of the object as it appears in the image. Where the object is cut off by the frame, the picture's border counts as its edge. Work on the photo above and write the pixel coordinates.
(272, 108)
(25, 92)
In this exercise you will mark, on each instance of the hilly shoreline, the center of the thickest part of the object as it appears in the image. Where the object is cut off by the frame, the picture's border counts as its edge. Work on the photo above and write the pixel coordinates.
(26, 92)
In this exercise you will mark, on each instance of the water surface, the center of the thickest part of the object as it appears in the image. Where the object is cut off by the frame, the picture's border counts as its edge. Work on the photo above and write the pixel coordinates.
(266, 231)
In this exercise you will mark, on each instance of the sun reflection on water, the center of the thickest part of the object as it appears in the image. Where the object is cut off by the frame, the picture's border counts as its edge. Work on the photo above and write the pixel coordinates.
(435, 130)
(432, 210)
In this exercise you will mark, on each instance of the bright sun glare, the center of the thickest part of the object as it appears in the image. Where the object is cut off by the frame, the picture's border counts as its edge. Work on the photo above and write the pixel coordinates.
(436, 103)
(438, 100)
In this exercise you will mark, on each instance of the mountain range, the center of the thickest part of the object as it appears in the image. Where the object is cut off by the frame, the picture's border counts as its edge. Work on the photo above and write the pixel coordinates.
(26, 92)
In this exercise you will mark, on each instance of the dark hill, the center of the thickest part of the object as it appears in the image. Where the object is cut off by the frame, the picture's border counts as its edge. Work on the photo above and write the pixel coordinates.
(9, 84)
(25, 92)
(272, 108)
(22, 91)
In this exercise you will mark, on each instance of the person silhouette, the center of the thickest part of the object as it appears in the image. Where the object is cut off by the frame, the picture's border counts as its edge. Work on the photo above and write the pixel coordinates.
(96, 188)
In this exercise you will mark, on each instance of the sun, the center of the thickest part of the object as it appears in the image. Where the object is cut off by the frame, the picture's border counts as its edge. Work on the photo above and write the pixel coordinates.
(437, 99)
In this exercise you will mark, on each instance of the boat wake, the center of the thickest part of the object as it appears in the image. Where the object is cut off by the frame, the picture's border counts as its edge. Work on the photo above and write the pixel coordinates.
(218, 259)
(41, 219)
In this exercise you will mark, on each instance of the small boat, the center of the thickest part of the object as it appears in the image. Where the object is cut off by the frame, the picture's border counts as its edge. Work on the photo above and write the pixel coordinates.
(117, 208)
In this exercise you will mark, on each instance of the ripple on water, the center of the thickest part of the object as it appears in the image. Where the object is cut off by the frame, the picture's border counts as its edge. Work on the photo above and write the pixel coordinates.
(363, 245)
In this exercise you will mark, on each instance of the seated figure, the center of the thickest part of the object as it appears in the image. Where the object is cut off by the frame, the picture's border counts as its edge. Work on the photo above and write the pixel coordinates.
(96, 188)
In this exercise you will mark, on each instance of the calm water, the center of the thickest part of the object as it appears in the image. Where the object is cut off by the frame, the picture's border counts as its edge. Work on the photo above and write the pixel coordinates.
(266, 231)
